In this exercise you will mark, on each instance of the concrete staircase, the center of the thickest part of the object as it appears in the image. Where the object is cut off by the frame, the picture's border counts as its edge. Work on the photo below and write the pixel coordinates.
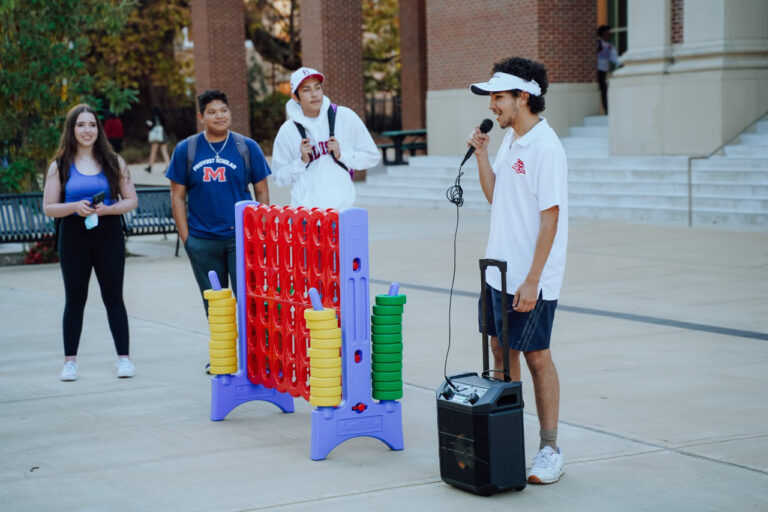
(731, 189)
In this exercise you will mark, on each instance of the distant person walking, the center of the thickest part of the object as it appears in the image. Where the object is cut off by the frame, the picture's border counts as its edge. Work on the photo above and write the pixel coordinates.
(157, 138)
(606, 55)
(113, 129)
(88, 187)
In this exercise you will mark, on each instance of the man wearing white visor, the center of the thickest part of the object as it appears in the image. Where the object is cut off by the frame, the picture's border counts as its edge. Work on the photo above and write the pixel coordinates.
(528, 191)
(319, 146)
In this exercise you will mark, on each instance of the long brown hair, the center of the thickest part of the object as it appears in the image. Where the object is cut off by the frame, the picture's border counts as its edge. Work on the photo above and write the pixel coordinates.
(102, 151)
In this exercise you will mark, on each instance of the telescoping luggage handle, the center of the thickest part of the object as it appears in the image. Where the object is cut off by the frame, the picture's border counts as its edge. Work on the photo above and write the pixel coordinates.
(502, 266)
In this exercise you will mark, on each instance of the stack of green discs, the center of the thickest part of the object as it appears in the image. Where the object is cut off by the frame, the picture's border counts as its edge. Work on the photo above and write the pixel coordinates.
(387, 339)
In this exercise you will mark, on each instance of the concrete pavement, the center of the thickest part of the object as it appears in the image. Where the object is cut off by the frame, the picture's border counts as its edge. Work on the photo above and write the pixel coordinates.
(661, 342)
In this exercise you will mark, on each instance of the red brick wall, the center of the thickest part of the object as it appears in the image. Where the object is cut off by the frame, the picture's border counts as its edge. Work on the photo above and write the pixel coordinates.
(218, 30)
(413, 59)
(677, 21)
(567, 39)
(332, 43)
(464, 39)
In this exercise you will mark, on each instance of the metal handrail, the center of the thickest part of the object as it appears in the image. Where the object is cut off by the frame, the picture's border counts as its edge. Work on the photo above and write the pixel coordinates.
(704, 157)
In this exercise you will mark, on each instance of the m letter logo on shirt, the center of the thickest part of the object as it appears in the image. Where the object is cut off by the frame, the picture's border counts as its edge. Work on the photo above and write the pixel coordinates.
(210, 175)
(519, 167)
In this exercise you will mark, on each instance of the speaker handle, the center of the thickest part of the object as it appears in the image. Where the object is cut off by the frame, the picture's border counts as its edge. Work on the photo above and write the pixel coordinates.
(502, 266)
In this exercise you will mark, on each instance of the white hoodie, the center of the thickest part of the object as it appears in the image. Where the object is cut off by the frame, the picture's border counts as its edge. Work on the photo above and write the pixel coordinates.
(323, 183)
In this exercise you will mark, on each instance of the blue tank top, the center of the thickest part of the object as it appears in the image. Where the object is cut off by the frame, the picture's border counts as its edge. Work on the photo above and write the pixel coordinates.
(81, 186)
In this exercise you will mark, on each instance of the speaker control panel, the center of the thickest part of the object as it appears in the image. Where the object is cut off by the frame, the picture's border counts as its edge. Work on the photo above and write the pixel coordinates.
(464, 393)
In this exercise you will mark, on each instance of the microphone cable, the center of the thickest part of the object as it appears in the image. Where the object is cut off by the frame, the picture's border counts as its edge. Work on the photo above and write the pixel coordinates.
(454, 194)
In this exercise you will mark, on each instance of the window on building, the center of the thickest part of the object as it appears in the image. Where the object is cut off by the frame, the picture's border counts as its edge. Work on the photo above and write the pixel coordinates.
(617, 18)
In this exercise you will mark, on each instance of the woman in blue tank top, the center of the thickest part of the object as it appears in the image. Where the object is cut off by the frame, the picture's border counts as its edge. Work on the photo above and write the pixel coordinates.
(90, 234)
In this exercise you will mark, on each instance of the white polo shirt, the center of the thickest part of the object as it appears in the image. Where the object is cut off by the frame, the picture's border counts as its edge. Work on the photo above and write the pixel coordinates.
(531, 176)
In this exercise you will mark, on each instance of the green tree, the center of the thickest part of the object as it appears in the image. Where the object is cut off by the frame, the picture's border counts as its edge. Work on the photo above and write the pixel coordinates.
(381, 46)
(141, 56)
(271, 26)
(43, 73)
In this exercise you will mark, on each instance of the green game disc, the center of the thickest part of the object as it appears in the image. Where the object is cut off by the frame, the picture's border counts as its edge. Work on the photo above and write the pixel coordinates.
(387, 376)
(387, 310)
(390, 300)
(388, 348)
(387, 367)
(387, 358)
(388, 386)
(386, 338)
(387, 329)
(388, 395)
(386, 319)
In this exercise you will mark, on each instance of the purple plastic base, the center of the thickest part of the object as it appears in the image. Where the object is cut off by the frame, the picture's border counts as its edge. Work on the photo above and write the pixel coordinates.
(229, 391)
(358, 414)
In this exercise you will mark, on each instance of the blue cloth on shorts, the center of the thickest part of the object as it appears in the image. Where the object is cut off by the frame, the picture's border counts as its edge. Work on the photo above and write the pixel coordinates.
(527, 331)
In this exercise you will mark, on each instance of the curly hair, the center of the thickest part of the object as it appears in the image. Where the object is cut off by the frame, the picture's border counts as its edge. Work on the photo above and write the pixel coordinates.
(527, 70)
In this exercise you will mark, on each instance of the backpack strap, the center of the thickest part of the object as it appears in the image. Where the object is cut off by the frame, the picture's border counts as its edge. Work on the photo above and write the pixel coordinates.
(245, 153)
(303, 133)
(331, 128)
(191, 150)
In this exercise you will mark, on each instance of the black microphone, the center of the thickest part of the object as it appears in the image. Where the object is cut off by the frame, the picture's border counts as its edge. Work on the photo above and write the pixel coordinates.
(485, 127)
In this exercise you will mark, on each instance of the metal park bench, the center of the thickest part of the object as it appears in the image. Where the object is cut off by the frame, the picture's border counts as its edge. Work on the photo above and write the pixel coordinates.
(22, 218)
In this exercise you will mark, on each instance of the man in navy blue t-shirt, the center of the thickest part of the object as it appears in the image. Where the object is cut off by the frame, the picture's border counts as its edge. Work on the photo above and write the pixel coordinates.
(215, 181)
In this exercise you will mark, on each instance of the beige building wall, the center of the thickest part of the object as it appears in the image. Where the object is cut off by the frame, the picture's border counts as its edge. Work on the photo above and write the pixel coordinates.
(689, 98)
(453, 113)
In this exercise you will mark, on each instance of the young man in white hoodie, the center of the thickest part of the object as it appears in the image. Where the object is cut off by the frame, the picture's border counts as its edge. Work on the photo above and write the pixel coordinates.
(318, 164)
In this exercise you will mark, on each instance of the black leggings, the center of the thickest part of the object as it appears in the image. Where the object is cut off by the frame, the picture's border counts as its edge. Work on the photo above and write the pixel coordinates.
(102, 249)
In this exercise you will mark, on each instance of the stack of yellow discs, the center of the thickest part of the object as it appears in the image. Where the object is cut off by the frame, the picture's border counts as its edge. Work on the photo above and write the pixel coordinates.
(324, 357)
(223, 327)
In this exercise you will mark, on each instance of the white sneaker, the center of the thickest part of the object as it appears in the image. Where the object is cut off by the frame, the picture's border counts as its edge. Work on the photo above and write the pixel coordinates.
(547, 466)
(125, 368)
(69, 372)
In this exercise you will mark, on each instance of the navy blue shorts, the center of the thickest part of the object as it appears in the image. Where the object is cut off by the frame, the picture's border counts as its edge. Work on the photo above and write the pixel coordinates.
(527, 331)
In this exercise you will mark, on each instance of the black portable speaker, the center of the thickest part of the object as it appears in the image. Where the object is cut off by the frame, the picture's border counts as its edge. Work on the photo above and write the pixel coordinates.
(480, 420)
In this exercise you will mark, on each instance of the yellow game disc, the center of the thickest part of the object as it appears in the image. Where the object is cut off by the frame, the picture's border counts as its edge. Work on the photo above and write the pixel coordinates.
(325, 314)
(324, 401)
(222, 303)
(325, 344)
(224, 336)
(217, 294)
(324, 382)
(223, 361)
(223, 352)
(230, 327)
(216, 319)
(325, 363)
(319, 353)
(322, 324)
(222, 344)
(325, 372)
(225, 311)
(319, 392)
(222, 370)
(326, 334)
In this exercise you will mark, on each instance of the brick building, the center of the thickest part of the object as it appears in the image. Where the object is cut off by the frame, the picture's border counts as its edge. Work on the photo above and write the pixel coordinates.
(696, 71)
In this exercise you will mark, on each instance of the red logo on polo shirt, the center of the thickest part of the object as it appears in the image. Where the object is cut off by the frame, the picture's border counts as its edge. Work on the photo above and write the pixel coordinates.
(210, 175)
(519, 167)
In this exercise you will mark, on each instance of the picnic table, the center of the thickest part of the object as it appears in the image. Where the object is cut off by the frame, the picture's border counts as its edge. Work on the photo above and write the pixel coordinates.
(400, 145)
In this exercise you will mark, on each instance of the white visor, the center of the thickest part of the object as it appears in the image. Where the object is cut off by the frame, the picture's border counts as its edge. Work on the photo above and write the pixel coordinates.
(505, 82)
